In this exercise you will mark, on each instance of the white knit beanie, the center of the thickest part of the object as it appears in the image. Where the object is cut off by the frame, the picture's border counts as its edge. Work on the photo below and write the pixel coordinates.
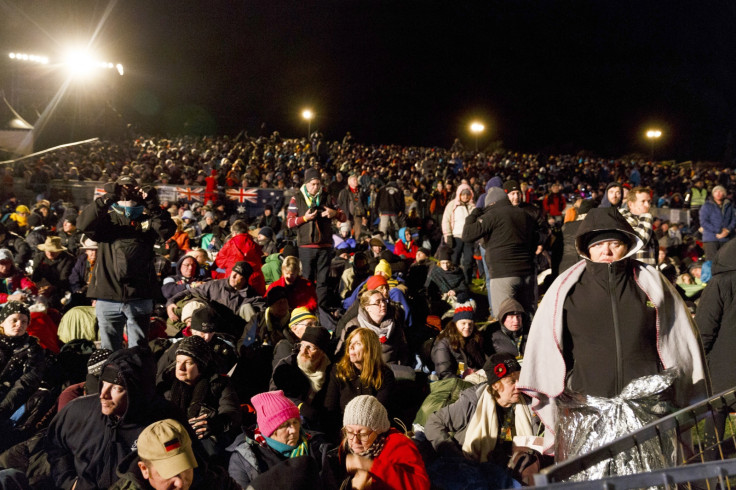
(367, 411)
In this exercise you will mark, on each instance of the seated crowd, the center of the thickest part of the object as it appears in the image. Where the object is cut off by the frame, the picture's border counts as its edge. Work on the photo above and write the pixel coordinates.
(149, 344)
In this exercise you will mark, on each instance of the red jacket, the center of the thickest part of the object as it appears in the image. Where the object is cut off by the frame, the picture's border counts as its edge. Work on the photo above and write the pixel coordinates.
(409, 252)
(399, 465)
(243, 247)
(301, 293)
(16, 282)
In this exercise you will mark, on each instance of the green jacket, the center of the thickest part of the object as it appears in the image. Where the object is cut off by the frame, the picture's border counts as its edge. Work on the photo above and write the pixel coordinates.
(272, 268)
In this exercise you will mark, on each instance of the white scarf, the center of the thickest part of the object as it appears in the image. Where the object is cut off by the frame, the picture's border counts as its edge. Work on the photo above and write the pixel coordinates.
(317, 377)
(482, 432)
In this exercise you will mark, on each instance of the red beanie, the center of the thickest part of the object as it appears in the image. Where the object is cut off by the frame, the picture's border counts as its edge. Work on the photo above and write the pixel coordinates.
(375, 281)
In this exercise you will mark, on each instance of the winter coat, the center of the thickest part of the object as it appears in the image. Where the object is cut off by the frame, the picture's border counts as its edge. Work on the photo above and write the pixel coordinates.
(250, 458)
(178, 283)
(124, 269)
(398, 466)
(453, 219)
(507, 342)
(15, 282)
(352, 202)
(716, 319)
(403, 249)
(288, 377)
(272, 268)
(243, 247)
(21, 251)
(390, 199)
(390, 332)
(511, 238)
(339, 393)
(316, 233)
(221, 292)
(447, 360)
(22, 366)
(86, 446)
(674, 335)
(446, 428)
(79, 277)
(714, 218)
(56, 271)
(301, 293)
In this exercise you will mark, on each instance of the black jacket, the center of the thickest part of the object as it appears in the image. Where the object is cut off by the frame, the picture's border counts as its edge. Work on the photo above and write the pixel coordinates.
(124, 269)
(22, 365)
(716, 319)
(446, 359)
(390, 199)
(87, 446)
(511, 237)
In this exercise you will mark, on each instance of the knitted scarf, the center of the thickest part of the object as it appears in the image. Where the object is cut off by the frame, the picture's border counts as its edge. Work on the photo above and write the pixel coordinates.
(190, 398)
(309, 198)
(375, 449)
(383, 330)
(482, 432)
(301, 449)
(315, 376)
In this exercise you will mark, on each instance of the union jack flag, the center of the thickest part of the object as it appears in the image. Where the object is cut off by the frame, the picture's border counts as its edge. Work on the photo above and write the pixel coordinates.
(99, 191)
(242, 195)
(190, 193)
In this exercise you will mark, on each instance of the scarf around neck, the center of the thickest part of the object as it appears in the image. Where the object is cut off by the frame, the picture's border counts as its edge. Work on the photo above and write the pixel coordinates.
(383, 330)
(317, 376)
(309, 198)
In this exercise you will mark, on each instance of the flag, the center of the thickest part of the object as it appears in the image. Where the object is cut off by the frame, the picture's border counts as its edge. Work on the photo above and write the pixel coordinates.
(99, 191)
(242, 195)
(190, 194)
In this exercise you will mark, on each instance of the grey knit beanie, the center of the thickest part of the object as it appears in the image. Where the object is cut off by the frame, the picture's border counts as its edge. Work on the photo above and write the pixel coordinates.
(367, 411)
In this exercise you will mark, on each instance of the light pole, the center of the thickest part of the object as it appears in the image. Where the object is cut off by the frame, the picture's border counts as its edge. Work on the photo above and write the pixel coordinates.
(308, 115)
(476, 128)
(653, 135)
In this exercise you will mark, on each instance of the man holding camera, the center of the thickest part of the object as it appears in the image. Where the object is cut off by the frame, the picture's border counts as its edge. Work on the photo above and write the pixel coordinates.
(310, 212)
(125, 222)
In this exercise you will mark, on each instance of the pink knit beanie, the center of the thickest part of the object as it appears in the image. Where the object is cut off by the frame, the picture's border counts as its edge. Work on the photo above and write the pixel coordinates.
(272, 410)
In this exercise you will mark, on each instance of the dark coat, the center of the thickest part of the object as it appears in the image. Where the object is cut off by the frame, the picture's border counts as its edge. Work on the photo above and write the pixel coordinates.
(446, 359)
(716, 319)
(85, 445)
(22, 365)
(511, 237)
(339, 393)
(295, 384)
(125, 257)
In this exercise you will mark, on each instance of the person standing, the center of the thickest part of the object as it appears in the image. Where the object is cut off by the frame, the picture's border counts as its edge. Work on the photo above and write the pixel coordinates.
(717, 221)
(638, 204)
(311, 212)
(352, 203)
(453, 221)
(125, 222)
(605, 322)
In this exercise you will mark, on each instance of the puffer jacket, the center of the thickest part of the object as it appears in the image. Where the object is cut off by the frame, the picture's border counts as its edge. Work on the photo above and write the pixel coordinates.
(453, 219)
(243, 247)
(714, 218)
(124, 269)
(22, 365)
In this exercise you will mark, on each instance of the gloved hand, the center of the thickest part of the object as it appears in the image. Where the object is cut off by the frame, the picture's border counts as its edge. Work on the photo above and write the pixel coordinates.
(476, 213)
(151, 197)
(450, 241)
(111, 194)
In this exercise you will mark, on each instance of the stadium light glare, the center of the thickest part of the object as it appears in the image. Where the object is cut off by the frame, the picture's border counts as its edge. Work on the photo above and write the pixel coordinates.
(477, 127)
(119, 67)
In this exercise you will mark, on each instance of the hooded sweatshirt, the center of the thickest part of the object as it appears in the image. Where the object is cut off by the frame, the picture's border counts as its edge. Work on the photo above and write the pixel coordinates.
(455, 213)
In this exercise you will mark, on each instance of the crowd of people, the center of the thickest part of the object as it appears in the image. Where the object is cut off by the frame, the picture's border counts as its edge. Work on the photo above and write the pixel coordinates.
(399, 320)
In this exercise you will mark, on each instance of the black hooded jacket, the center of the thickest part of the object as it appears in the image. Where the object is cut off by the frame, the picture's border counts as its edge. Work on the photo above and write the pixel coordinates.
(716, 319)
(86, 446)
(610, 333)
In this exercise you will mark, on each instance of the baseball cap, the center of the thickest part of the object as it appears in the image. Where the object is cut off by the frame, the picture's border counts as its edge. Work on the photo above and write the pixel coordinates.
(168, 447)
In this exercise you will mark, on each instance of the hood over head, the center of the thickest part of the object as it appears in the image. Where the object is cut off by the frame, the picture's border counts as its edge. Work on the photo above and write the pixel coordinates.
(494, 182)
(494, 195)
(461, 188)
(603, 221)
(725, 259)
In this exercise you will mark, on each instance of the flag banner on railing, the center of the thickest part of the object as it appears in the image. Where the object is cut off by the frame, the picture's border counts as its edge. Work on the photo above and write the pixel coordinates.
(190, 194)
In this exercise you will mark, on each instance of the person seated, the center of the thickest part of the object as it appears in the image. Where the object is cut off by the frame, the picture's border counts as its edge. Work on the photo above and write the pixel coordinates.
(83, 451)
(301, 292)
(234, 293)
(178, 244)
(204, 396)
(416, 277)
(301, 318)
(18, 221)
(396, 290)
(509, 334)
(51, 269)
(405, 247)
(17, 246)
(22, 366)
(353, 276)
(276, 444)
(71, 237)
(342, 241)
(206, 323)
(378, 314)
(446, 284)
(474, 435)
(303, 376)
(458, 349)
(269, 219)
(241, 247)
(266, 240)
(374, 454)
(81, 274)
(14, 285)
(188, 275)
(163, 458)
(361, 370)
(270, 325)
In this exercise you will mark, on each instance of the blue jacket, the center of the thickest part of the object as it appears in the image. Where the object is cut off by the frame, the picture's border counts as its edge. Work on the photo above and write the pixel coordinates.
(713, 219)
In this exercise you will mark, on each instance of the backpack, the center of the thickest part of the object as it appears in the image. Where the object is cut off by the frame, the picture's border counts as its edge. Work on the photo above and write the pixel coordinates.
(442, 393)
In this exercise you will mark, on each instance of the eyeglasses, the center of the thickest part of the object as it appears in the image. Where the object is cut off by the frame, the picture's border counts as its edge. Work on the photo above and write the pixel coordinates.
(382, 302)
(362, 436)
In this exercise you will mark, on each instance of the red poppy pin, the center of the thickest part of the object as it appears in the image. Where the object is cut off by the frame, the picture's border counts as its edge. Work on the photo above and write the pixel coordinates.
(500, 370)
(383, 339)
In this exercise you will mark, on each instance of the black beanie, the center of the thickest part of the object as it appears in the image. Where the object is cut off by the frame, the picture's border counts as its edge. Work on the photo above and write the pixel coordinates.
(444, 253)
(204, 320)
(196, 348)
(499, 366)
(319, 336)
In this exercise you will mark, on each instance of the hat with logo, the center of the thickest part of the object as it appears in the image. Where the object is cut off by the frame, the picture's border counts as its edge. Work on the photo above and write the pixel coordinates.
(167, 446)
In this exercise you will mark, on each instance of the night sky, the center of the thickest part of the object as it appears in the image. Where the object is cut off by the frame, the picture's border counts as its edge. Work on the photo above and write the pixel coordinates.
(544, 75)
